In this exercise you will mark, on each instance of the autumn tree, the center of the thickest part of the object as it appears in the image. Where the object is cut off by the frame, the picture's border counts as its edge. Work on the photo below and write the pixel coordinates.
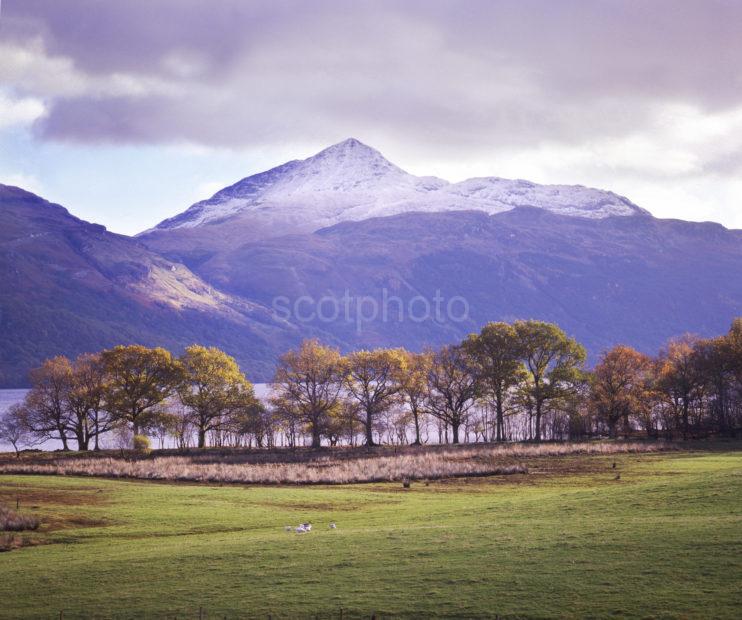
(139, 380)
(340, 418)
(680, 379)
(734, 351)
(66, 401)
(176, 423)
(621, 387)
(453, 387)
(307, 385)
(47, 414)
(414, 387)
(212, 387)
(719, 361)
(248, 417)
(85, 401)
(374, 380)
(496, 351)
(554, 364)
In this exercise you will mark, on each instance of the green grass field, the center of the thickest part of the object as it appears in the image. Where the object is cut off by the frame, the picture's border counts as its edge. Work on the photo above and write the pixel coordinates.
(567, 540)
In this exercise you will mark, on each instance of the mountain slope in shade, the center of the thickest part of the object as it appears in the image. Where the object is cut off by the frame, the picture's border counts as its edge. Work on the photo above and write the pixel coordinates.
(350, 181)
(635, 280)
(68, 286)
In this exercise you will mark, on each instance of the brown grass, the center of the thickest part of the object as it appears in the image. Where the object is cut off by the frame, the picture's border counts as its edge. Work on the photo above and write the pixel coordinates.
(8, 542)
(322, 467)
(11, 521)
(33, 498)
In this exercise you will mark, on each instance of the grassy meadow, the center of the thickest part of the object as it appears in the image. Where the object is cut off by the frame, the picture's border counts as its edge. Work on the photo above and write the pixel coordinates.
(659, 535)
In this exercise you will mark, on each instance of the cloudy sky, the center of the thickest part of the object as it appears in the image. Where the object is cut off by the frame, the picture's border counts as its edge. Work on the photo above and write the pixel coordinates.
(127, 112)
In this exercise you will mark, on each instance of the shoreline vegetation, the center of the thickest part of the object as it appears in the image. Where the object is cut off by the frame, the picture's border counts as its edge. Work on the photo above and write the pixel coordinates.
(525, 381)
(319, 467)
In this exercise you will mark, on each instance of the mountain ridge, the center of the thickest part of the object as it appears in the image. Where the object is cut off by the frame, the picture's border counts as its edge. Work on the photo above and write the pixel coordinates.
(69, 286)
(352, 181)
(637, 281)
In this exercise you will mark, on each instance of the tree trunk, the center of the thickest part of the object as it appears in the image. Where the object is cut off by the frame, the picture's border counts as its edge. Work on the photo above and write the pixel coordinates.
(721, 409)
(63, 437)
(416, 418)
(455, 431)
(538, 421)
(685, 419)
(500, 416)
(201, 437)
(96, 426)
(369, 429)
(316, 437)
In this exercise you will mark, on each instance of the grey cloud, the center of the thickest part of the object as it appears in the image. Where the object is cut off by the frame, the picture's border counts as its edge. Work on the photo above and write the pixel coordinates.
(466, 74)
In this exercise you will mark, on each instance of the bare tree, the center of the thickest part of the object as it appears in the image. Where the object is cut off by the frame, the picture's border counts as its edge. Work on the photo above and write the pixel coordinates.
(47, 414)
(14, 429)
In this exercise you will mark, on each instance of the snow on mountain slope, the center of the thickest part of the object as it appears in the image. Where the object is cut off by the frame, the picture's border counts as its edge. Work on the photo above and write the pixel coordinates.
(318, 189)
(351, 181)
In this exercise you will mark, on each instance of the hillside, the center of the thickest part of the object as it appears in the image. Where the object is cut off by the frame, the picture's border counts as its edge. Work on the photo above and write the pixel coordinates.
(346, 224)
(69, 286)
(635, 280)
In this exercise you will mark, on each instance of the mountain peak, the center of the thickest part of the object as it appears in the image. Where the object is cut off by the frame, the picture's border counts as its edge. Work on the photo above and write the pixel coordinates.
(352, 156)
(350, 143)
(352, 181)
(349, 146)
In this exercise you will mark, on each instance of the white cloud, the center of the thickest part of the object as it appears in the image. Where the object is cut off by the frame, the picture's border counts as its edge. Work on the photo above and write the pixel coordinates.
(31, 68)
(683, 163)
(21, 112)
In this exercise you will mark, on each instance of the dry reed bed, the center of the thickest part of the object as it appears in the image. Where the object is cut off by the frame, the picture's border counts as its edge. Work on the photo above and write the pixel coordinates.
(11, 521)
(325, 469)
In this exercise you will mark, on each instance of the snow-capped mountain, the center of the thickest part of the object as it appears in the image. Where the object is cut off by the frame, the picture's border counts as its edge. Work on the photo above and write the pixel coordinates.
(352, 181)
(69, 286)
(316, 192)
